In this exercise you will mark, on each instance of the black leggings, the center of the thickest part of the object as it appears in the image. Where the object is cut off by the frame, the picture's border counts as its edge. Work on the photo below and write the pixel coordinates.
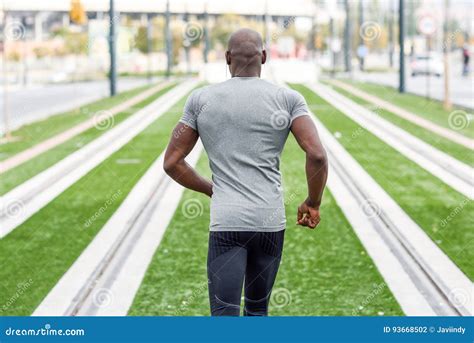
(237, 256)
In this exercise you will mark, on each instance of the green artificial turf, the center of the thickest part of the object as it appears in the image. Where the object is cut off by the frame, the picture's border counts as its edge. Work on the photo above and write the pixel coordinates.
(31, 134)
(444, 214)
(430, 109)
(324, 271)
(457, 151)
(27, 170)
(41, 250)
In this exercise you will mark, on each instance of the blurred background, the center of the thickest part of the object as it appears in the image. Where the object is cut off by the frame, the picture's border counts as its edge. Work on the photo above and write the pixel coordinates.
(57, 45)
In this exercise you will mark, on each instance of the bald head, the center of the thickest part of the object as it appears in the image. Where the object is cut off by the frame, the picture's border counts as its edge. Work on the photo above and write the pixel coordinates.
(245, 53)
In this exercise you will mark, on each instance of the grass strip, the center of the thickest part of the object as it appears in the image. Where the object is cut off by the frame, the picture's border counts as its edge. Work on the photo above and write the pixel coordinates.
(444, 214)
(455, 150)
(324, 272)
(27, 170)
(430, 109)
(43, 248)
(31, 134)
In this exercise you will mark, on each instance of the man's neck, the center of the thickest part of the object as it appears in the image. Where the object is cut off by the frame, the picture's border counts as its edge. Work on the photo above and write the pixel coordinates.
(245, 73)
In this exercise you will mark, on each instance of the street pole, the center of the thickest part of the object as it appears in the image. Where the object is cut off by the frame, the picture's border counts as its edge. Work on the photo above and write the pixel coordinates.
(25, 54)
(206, 35)
(347, 40)
(6, 114)
(331, 35)
(361, 22)
(169, 42)
(149, 43)
(446, 49)
(112, 51)
(401, 42)
(267, 31)
(187, 45)
(391, 44)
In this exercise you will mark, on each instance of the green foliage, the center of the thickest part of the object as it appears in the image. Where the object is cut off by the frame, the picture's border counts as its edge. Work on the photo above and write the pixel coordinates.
(75, 42)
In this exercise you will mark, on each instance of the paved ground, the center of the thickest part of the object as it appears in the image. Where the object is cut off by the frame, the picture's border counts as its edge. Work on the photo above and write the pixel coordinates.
(36, 102)
(462, 88)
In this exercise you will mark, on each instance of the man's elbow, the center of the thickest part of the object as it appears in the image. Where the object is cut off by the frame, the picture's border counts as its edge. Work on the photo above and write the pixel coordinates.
(169, 166)
(317, 157)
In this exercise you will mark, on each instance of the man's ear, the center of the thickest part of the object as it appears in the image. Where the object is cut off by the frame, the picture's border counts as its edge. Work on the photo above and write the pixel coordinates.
(264, 56)
(227, 57)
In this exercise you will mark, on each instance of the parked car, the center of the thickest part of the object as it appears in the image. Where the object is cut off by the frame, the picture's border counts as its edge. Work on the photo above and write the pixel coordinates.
(426, 64)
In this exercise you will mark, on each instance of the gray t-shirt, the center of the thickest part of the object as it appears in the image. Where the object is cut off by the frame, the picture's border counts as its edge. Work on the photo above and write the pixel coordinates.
(243, 124)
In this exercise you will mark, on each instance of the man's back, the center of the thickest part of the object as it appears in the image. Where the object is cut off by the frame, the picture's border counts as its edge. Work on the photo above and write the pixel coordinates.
(243, 124)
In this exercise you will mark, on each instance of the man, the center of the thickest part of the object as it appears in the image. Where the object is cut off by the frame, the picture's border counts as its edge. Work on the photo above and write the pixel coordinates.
(243, 124)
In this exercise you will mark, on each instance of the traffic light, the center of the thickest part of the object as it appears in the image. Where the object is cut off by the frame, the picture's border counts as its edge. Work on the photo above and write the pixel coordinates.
(77, 13)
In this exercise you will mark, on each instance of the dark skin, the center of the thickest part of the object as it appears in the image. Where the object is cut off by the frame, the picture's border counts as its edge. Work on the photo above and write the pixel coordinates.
(245, 56)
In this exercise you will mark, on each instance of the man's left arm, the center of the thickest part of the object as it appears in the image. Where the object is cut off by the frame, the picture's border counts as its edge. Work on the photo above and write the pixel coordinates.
(182, 142)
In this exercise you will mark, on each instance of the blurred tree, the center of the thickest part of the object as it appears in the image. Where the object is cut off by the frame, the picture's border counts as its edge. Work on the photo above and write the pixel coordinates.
(14, 56)
(228, 23)
(41, 51)
(74, 42)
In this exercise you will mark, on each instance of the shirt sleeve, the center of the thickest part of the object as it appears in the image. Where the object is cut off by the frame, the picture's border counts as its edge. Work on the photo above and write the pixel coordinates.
(190, 112)
(298, 106)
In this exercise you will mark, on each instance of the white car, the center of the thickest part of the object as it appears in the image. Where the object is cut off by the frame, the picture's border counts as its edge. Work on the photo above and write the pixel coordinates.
(427, 65)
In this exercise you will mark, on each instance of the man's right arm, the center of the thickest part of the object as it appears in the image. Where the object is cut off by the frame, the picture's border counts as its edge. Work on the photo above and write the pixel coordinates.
(306, 135)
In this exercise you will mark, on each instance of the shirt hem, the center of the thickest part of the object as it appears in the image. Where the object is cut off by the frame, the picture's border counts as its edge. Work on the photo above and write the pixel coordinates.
(248, 228)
